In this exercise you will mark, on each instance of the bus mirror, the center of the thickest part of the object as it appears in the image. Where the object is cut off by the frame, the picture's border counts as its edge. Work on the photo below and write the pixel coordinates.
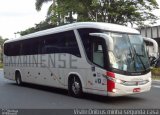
(108, 39)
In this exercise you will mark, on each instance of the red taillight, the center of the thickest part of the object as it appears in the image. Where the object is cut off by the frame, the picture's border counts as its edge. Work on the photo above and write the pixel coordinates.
(110, 83)
(110, 74)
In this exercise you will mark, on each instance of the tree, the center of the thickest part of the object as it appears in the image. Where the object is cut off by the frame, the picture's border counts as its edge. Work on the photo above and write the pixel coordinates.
(2, 40)
(39, 3)
(120, 11)
(59, 12)
(1, 48)
(41, 26)
(53, 14)
(112, 11)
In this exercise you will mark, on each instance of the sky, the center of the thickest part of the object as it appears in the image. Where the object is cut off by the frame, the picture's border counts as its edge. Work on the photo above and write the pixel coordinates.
(18, 15)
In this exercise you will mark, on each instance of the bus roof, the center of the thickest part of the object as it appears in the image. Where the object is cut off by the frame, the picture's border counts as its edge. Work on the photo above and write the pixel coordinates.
(78, 25)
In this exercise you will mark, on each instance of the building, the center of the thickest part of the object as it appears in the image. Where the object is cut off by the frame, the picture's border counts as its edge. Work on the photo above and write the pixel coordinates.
(151, 32)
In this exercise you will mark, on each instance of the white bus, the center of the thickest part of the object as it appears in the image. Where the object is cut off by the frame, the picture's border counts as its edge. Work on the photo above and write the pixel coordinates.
(98, 58)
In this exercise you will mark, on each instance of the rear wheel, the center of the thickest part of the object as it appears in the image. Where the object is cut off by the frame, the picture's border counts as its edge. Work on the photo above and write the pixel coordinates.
(18, 78)
(75, 87)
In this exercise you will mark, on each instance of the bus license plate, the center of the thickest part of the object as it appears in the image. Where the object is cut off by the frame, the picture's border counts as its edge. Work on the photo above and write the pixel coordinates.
(136, 90)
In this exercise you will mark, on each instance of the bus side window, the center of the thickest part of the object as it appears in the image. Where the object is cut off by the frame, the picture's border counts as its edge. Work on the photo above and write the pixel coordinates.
(64, 42)
(98, 51)
(94, 47)
(14, 48)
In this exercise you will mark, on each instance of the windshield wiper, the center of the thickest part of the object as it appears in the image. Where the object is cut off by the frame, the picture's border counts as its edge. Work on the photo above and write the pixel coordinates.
(132, 57)
(139, 58)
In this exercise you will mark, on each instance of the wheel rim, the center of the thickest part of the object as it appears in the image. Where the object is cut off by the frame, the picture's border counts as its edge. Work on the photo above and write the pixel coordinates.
(76, 87)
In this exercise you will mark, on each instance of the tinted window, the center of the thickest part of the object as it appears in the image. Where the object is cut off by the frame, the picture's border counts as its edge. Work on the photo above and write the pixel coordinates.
(98, 51)
(6, 49)
(86, 39)
(95, 47)
(64, 42)
(12, 49)
(30, 46)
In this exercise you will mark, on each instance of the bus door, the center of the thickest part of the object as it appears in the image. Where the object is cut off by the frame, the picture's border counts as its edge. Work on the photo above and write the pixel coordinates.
(97, 80)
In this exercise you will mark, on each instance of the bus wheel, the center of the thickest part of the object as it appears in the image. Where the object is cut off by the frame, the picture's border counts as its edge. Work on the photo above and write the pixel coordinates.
(18, 78)
(75, 87)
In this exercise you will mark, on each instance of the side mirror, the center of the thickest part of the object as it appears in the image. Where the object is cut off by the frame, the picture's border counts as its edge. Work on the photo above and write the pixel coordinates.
(108, 39)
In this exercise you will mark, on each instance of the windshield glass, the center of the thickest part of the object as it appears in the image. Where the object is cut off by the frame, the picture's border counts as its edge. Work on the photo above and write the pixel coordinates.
(129, 53)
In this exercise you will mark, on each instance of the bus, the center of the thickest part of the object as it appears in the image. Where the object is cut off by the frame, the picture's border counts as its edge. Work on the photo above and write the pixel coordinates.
(84, 57)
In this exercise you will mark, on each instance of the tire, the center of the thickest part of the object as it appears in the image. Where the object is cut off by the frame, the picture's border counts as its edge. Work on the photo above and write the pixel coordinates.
(18, 79)
(75, 87)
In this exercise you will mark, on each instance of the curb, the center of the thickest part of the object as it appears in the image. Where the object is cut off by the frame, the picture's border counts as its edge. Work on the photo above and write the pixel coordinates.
(156, 80)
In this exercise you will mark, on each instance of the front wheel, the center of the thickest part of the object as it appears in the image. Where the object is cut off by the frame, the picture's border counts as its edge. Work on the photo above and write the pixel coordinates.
(75, 87)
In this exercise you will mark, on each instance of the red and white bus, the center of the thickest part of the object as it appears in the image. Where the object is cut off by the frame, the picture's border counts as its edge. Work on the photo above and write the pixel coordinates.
(98, 58)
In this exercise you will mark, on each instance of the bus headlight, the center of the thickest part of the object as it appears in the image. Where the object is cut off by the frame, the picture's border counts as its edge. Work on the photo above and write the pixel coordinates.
(111, 76)
(119, 81)
(114, 90)
(115, 80)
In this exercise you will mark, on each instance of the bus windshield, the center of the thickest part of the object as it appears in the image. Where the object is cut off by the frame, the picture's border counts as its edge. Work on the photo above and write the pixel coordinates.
(129, 53)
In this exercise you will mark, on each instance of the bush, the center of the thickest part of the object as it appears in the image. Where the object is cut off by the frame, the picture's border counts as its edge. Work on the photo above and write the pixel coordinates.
(1, 65)
(155, 71)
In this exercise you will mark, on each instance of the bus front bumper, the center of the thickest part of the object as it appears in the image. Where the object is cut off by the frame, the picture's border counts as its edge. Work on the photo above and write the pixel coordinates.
(121, 90)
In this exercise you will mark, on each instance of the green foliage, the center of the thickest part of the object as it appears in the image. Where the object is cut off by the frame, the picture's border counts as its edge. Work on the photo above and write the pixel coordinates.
(112, 11)
(1, 48)
(121, 12)
(155, 71)
(39, 4)
(2, 41)
(1, 65)
(41, 26)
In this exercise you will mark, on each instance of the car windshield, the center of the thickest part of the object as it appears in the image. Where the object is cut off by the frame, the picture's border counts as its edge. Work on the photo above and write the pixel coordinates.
(129, 53)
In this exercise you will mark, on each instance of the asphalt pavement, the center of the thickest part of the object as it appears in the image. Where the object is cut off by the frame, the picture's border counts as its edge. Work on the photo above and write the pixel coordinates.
(41, 97)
